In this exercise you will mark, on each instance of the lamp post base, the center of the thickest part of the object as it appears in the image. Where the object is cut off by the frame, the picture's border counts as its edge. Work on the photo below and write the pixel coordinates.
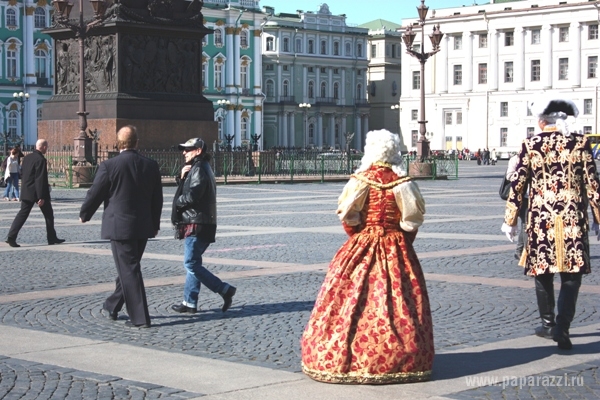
(417, 169)
(83, 175)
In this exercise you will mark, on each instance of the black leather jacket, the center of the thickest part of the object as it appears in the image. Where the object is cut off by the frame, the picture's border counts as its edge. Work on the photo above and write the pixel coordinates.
(197, 203)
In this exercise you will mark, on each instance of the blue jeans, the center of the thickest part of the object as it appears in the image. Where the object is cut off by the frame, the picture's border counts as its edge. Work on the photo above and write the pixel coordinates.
(12, 184)
(196, 273)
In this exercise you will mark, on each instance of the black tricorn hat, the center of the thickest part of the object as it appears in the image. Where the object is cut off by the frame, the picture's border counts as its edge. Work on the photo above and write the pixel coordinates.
(553, 108)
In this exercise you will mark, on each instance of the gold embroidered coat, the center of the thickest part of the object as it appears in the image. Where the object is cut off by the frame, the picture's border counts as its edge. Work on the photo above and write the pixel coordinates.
(563, 181)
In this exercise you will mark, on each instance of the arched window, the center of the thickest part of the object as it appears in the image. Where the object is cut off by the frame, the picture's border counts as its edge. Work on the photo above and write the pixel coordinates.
(218, 35)
(244, 129)
(269, 88)
(311, 90)
(11, 17)
(323, 46)
(359, 91)
(220, 127)
(270, 44)
(323, 89)
(336, 48)
(286, 88)
(348, 49)
(40, 18)
(336, 90)
(359, 50)
(244, 72)
(11, 64)
(204, 74)
(244, 38)
(13, 120)
(337, 134)
(40, 63)
(286, 45)
(311, 134)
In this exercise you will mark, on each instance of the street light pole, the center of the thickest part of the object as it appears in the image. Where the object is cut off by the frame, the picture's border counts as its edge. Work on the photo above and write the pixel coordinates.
(436, 38)
(22, 98)
(305, 107)
(223, 103)
(396, 108)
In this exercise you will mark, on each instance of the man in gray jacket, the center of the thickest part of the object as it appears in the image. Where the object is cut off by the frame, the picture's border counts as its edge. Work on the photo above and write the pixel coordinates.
(194, 215)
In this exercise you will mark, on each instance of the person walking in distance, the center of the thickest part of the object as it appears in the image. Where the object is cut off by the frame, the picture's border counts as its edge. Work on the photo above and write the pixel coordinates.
(130, 187)
(34, 190)
(194, 215)
(558, 167)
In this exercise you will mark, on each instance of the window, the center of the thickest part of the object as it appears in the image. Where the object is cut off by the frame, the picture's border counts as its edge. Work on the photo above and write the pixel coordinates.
(587, 106)
(244, 76)
(311, 134)
(218, 76)
(459, 118)
(458, 74)
(270, 88)
(285, 88)
(359, 50)
(311, 69)
(311, 46)
(348, 49)
(205, 40)
(11, 17)
(13, 117)
(563, 34)
(269, 67)
(504, 109)
(336, 48)
(483, 40)
(536, 36)
(204, 74)
(323, 70)
(587, 130)
(592, 66)
(563, 69)
(530, 131)
(359, 91)
(336, 71)
(11, 64)
(311, 90)
(40, 63)
(483, 73)
(336, 90)
(448, 118)
(414, 115)
(244, 38)
(593, 32)
(416, 80)
(218, 37)
(40, 18)
(508, 71)
(373, 50)
(535, 70)
(359, 72)
(286, 67)
(270, 43)
(393, 51)
(244, 129)
(323, 46)
(414, 134)
(503, 137)
(286, 45)
(457, 42)
(509, 38)
(298, 45)
(416, 47)
(323, 89)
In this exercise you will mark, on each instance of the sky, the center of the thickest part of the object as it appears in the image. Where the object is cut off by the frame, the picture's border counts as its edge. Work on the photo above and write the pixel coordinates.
(361, 11)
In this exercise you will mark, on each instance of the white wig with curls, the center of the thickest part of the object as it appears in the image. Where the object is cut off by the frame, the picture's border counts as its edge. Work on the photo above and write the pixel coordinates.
(382, 146)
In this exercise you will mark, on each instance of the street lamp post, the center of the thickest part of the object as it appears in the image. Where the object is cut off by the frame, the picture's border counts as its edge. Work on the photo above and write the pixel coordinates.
(81, 29)
(22, 98)
(422, 56)
(348, 136)
(224, 104)
(305, 107)
(396, 108)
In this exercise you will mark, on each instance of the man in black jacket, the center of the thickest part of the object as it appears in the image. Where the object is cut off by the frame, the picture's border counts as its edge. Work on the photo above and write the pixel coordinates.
(194, 215)
(34, 190)
(130, 187)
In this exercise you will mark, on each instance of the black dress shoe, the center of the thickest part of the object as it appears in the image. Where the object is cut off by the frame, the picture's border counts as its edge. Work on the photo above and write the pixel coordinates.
(228, 298)
(130, 324)
(56, 241)
(180, 308)
(111, 315)
(12, 243)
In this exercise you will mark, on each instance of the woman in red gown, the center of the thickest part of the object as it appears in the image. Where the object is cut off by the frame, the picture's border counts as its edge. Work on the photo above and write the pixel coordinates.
(371, 322)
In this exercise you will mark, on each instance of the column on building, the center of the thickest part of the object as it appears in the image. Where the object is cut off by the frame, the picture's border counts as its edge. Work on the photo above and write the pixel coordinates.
(343, 126)
(258, 122)
(468, 78)
(28, 52)
(237, 58)
(443, 66)
(331, 140)
(493, 67)
(305, 84)
(238, 126)
(343, 86)
(292, 129)
(284, 128)
(519, 69)
(230, 126)
(330, 83)
(546, 64)
(575, 57)
(359, 140)
(279, 88)
(319, 133)
(229, 64)
(357, 127)
(317, 81)
(257, 62)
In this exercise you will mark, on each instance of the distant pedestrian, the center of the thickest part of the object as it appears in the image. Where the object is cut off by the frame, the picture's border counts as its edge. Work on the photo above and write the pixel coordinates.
(194, 215)
(34, 190)
(130, 187)
(11, 176)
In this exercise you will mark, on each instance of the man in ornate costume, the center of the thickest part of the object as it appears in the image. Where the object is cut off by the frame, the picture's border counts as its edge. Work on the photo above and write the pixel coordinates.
(559, 168)
(371, 322)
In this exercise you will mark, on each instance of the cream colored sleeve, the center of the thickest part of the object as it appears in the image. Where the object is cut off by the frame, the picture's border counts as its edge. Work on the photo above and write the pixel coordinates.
(411, 205)
(352, 201)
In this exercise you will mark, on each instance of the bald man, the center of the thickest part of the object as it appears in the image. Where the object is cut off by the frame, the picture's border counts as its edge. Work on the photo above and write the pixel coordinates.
(35, 190)
(129, 186)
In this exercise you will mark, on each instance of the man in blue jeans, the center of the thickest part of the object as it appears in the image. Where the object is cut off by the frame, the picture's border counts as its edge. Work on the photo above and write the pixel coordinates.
(194, 215)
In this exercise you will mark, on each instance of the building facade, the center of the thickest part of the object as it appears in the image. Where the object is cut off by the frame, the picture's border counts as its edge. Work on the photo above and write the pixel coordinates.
(314, 58)
(495, 58)
(25, 67)
(232, 68)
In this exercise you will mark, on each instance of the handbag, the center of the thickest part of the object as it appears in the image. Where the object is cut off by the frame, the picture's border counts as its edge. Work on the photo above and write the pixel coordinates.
(2, 182)
(504, 189)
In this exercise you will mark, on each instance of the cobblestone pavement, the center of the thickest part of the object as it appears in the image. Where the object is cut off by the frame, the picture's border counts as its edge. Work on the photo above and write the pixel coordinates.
(274, 242)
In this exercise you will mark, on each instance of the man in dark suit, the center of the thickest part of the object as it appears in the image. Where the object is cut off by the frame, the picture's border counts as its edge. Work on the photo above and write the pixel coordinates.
(129, 185)
(34, 190)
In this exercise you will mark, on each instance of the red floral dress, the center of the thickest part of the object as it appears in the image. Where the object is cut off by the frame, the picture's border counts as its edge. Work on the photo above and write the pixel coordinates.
(371, 322)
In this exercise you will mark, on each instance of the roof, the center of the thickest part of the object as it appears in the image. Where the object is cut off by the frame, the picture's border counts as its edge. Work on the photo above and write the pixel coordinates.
(378, 24)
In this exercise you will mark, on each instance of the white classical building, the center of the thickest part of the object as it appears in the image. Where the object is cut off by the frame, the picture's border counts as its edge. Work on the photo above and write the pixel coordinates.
(495, 58)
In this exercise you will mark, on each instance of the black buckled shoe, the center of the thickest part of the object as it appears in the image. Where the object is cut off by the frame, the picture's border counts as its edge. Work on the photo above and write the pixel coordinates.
(180, 308)
(56, 241)
(228, 298)
(130, 324)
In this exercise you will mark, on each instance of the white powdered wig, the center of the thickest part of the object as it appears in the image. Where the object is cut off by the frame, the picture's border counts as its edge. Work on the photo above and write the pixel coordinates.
(382, 146)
